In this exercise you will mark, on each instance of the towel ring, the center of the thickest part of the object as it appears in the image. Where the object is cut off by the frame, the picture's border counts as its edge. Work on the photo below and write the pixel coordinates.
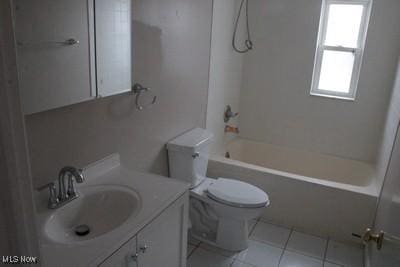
(138, 89)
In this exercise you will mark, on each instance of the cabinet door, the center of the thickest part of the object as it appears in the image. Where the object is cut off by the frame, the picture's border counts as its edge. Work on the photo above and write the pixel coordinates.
(163, 242)
(52, 72)
(124, 257)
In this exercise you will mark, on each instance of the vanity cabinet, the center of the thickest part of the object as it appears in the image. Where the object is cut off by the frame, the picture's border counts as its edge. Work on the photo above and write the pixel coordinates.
(123, 257)
(161, 243)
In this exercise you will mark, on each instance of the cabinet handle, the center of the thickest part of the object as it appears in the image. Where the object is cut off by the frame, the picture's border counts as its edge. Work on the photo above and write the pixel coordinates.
(144, 248)
(134, 257)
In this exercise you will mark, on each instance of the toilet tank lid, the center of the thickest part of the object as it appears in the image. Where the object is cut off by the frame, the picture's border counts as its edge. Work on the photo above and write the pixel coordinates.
(237, 193)
(191, 140)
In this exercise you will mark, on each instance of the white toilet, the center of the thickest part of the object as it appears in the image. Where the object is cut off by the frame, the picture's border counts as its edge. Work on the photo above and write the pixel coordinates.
(219, 208)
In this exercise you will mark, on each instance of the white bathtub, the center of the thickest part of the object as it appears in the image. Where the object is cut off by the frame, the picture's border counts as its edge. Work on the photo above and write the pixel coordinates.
(320, 194)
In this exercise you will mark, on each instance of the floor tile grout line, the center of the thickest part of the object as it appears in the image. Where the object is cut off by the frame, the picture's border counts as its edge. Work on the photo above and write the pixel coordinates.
(234, 257)
(247, 263)
(267, 243)
(334, 263)
(303, 254)
(274, 224)
(292, 229)
(284, 248)
(313, 235)
(215, 250)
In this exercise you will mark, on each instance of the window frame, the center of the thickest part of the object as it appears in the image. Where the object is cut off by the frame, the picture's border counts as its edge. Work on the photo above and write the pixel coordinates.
(358, 51)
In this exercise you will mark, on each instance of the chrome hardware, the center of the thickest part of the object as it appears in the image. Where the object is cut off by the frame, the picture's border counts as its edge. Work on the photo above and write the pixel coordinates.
(138, 89)
(65, 195)
(72, 172)
(231, 129)
(195, 155)
(53, 200)
(144, 248)
(375, 237)
(70, 41)
(228, 114)
(134, 257)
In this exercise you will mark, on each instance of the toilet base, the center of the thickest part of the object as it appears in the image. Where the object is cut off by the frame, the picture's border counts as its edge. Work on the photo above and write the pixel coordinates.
(231, 235)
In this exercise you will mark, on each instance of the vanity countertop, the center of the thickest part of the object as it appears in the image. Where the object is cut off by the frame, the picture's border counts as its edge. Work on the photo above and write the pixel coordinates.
(156, 194)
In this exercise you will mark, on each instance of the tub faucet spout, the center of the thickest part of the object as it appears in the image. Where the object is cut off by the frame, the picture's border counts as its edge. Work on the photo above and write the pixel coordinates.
(231, 129)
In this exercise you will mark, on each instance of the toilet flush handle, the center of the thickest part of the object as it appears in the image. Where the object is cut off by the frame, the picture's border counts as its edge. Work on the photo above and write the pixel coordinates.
(195, 155)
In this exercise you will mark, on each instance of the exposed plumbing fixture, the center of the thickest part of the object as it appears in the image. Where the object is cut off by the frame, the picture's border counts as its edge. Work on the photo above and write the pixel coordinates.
(228, 114)
(227, 155)
(248, 43)
(65, 195)
(374, 237)
(231, 129)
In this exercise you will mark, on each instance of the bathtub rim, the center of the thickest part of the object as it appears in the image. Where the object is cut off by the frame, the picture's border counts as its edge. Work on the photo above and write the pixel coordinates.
(370, 190)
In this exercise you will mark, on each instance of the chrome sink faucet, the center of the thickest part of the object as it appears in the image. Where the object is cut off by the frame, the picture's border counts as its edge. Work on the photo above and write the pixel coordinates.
(65, 194)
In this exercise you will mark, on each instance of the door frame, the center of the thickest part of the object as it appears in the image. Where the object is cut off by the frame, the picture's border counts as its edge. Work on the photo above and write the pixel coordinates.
(17, 210)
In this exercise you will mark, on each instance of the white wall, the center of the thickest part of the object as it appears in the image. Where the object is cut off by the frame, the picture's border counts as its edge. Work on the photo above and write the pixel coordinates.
(225, 72)
(275, 103)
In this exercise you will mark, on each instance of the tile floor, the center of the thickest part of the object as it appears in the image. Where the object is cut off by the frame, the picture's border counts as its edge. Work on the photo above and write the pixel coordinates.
(273, 246)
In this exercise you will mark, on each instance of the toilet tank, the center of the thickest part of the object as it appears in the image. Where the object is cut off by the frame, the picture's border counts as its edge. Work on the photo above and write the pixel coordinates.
(188, 156)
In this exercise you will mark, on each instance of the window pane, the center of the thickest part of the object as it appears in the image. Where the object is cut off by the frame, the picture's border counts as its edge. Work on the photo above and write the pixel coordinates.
(336, 71)
(343, 25)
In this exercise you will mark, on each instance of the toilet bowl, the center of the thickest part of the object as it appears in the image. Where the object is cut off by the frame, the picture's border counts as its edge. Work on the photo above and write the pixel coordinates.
(232, 203)
(219, 208)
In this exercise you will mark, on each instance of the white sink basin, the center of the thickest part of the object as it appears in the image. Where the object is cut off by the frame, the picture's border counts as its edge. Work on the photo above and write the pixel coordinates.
(100, 209)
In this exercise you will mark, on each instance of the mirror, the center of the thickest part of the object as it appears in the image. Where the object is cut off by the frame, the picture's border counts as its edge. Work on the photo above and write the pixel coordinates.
(113, 46)
(69, 51)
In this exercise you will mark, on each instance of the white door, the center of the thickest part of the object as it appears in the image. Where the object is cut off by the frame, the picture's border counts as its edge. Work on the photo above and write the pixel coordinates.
(388, 215)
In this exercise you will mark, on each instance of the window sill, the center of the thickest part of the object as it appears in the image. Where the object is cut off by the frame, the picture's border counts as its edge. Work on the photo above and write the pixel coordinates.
(347, 98)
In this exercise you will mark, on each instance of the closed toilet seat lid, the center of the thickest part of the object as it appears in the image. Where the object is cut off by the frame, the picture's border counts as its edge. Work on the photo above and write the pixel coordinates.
(236, 193)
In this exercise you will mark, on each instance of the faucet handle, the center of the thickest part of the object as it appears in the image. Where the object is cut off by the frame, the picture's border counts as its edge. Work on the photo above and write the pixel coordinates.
(228, 114)
(53, 199)
(81, 177)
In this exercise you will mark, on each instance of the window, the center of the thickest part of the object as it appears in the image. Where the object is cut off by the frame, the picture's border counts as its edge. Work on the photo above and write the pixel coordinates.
(340, 47)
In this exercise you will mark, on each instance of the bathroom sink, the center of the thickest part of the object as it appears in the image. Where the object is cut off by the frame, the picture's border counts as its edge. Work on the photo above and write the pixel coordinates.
(98, 210)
